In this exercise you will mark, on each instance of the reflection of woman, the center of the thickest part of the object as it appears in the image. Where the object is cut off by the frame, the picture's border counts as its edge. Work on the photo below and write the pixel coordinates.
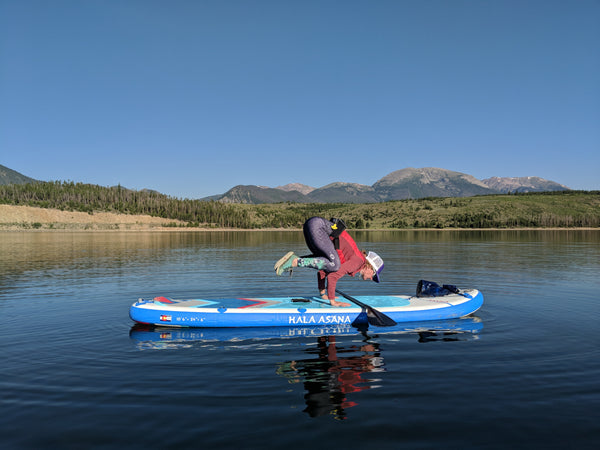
(330, 377)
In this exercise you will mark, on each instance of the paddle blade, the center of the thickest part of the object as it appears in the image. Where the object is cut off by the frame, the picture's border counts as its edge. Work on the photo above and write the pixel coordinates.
(379, 319)
(374, 317)
(362, 320)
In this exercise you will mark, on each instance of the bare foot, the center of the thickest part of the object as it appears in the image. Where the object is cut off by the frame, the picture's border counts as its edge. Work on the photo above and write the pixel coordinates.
(336, 303)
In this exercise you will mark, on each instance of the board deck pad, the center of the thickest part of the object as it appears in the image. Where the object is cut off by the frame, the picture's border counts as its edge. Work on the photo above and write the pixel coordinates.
(281, 302)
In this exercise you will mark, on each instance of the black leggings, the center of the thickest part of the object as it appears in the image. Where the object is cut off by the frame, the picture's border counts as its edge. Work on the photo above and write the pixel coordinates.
(316, 234)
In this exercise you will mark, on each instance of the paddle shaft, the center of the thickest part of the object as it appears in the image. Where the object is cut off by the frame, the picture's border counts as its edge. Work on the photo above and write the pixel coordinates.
(352, 299)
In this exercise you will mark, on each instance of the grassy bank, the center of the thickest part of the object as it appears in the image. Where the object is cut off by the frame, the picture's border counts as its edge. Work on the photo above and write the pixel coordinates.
(570, 209)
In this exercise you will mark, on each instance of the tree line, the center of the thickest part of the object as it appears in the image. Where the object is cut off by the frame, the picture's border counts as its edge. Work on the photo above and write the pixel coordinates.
(90, 198)
(549, 209)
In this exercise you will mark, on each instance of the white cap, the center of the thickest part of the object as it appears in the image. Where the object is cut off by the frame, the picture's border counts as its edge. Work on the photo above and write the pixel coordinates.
(377, 263)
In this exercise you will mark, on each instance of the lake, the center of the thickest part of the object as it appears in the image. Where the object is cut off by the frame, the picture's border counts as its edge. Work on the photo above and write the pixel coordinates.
(524, 372)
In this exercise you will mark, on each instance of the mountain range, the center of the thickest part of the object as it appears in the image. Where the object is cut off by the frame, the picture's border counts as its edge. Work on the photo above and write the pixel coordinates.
(401, 184)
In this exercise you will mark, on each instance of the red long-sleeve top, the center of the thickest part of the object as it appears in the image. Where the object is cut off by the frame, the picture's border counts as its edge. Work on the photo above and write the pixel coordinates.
(352, 260)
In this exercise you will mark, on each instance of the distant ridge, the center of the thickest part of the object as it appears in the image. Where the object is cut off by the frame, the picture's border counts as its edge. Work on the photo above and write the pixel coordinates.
(302, 188)
(409, 183)
(9, 176)
(429, 182)
(344, 193)
(523, 184)
(257, 194)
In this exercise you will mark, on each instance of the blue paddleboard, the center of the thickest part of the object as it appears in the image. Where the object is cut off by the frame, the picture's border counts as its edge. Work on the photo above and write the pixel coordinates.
(298, 311)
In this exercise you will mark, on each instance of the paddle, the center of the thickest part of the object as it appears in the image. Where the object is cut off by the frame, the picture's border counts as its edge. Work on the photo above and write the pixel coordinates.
(374, 317)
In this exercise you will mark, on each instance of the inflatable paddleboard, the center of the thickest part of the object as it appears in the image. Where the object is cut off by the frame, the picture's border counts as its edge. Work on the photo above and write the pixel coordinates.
(298, 311)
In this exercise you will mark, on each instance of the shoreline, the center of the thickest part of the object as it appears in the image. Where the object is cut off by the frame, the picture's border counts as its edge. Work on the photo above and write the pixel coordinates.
(15, 218)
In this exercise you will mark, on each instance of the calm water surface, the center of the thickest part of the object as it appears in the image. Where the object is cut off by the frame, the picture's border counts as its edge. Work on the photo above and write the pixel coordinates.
(75, 373)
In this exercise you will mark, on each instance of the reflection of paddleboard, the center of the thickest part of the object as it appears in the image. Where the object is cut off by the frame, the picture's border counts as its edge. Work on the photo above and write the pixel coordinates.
(298, 311)
(152, 337)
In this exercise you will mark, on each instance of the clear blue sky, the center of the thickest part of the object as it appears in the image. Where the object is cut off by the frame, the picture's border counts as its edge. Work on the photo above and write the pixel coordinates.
(193, 97)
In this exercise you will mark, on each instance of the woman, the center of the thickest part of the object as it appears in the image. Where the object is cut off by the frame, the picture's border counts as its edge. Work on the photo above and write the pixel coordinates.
(334, 254)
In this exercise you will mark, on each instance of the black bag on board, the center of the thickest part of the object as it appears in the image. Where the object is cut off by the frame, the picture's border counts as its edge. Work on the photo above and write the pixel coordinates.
(430, 289)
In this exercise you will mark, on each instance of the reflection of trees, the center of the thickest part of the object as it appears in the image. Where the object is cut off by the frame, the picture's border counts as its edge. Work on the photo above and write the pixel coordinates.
(334, 373)
(21, 253)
